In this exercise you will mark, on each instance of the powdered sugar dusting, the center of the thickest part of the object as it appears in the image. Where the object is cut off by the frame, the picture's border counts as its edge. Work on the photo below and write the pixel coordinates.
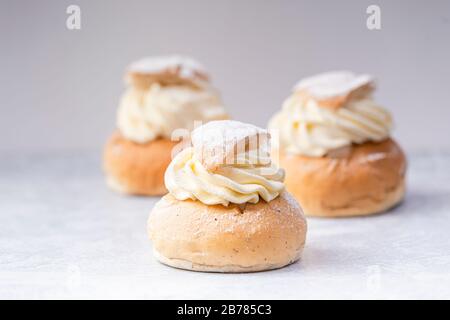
(226, 132)
(333, 84)
(216, 140)
(373, 157)
(188, 67)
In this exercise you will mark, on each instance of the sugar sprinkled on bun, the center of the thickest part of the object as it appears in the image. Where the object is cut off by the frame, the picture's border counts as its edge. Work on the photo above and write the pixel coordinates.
(262, 236)
(336, 148)
(334, 89)
(225, 216)
(166, 70)
(217, 142)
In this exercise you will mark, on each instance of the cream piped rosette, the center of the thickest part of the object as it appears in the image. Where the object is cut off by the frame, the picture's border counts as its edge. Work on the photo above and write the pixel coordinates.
(330, 111)
(213, 171)
(164, 94)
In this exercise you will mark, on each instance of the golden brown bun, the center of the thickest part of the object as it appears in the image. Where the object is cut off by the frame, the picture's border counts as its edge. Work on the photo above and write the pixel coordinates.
(254, 237)
(135, 168)
(358, 180)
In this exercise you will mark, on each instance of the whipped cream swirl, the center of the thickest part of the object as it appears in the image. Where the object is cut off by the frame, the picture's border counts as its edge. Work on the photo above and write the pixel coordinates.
(145, 115)
(186, 178)
(308, 129)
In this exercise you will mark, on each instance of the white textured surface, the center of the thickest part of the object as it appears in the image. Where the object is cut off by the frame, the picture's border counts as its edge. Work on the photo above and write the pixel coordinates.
(64, 235)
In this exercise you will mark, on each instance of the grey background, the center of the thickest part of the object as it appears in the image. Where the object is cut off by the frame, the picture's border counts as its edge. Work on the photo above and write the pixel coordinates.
(60, 89)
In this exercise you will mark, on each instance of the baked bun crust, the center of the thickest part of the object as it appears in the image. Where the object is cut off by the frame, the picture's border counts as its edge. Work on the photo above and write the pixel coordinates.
(252, 237)
(358, 180)
(134, 168)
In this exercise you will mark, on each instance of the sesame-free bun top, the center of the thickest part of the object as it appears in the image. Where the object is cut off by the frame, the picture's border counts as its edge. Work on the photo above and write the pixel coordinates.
(228, 163)
(166, 70)
(335, 89)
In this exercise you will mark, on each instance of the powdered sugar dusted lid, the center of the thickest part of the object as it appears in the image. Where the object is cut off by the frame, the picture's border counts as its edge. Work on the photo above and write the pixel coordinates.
(334, 84)
(184, 66)
(219, 142)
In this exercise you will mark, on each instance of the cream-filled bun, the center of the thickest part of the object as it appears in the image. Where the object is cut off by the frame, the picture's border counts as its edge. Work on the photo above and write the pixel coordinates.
(335, 145)
(226, 211)
(163, 94)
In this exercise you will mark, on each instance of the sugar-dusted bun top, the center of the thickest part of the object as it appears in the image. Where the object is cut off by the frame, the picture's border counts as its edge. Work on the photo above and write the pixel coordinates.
(166, 70)
(334, 89)
(229, 162)
(228, 142)
(185, 66)
(329, 111)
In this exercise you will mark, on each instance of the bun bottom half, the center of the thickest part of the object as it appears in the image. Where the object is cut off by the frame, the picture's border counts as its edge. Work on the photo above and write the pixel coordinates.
(357, 180)
(134, 168)
(248, 238)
